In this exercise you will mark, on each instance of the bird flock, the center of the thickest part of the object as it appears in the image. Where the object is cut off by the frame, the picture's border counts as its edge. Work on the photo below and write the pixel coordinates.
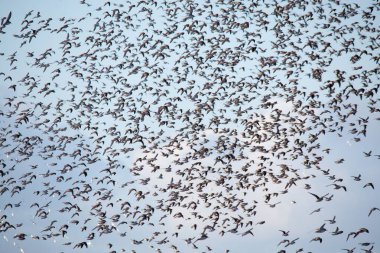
(171, 126)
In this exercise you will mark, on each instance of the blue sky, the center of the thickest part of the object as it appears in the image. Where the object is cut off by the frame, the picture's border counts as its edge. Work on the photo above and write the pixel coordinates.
(87, 89)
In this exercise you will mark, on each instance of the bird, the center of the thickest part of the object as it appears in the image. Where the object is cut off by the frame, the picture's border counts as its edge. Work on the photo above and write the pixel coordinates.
(337, 231)
(316, 211)
(332, 221)
(284, 233)
(316, 239)
(318, 199)
(349, 250)
(369, 185)
(373, 209)
(321, 229)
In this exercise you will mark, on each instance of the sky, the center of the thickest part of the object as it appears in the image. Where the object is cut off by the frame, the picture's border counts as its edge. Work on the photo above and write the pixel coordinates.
(189, 92)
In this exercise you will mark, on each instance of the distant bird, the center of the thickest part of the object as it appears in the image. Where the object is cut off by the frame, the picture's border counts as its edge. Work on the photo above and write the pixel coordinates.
(369, 185)
(349, 250)
(284, 233)
(321, 229)
(319, 198)
(316, 211)
(332, 221)
(337, 231)
(316, 239)
(373, 210)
